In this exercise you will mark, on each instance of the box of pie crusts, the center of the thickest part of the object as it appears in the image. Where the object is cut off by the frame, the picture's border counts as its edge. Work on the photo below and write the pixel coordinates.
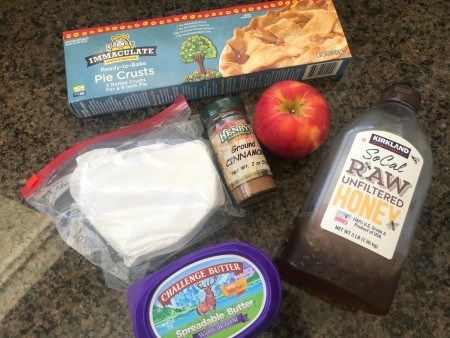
(215, 52)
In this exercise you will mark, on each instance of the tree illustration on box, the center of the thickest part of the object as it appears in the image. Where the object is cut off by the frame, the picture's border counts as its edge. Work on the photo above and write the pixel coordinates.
(198, 48)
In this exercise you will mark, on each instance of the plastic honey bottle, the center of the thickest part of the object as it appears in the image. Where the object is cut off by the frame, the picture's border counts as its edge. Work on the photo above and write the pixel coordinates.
(354, 230)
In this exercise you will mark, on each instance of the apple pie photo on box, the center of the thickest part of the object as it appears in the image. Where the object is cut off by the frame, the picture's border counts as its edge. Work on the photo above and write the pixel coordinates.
(305, 32)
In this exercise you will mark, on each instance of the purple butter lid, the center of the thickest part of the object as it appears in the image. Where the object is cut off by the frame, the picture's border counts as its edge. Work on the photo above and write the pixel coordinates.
(226, 290)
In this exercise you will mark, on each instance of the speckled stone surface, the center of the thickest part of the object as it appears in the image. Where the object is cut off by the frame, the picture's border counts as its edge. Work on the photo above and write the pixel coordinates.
(391, 41)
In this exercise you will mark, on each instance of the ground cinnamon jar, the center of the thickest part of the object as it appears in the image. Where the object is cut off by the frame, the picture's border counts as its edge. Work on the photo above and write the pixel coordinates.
(244, 166)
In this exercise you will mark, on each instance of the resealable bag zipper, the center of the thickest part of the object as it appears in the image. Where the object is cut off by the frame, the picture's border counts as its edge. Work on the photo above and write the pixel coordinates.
(177, 112)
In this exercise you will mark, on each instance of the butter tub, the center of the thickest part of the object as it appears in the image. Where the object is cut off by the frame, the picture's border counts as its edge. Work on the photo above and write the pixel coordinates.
(225, 290)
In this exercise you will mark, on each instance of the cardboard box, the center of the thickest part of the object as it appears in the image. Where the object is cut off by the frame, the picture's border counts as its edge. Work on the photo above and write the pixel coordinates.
(216, 52)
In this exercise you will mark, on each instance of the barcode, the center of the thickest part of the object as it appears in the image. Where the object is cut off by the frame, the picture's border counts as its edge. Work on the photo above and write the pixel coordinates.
(322, 69)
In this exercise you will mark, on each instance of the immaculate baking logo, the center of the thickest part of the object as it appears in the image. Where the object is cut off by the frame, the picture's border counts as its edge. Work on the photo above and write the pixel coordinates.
(120, 49)
(390, 145)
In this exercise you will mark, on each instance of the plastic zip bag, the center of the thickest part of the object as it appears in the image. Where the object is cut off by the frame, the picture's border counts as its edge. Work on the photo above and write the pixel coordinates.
(130, 199)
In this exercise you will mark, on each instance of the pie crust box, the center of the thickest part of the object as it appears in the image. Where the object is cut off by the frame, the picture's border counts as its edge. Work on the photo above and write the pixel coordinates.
(215, 52)
(225, 290)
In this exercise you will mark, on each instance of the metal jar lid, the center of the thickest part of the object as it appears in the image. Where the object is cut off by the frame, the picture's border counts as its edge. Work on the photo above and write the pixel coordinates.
(226, 103)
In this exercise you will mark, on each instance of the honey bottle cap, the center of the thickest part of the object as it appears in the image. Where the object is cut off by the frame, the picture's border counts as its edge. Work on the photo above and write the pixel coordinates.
(404, 94)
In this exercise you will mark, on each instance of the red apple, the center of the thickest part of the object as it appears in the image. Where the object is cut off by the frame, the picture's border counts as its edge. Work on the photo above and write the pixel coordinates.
(291, 119)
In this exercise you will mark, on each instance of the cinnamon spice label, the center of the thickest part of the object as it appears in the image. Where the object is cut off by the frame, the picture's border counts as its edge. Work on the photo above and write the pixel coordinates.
(239, 153)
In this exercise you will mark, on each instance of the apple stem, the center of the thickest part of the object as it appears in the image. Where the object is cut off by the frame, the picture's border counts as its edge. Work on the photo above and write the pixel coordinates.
(296, 108)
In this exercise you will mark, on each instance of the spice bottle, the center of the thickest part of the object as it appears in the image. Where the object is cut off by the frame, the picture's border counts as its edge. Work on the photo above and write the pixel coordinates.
(244, 167)
(354, 230)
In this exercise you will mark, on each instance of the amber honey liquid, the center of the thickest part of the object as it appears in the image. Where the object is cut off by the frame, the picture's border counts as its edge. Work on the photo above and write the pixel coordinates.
(353, 233)
(340, 269)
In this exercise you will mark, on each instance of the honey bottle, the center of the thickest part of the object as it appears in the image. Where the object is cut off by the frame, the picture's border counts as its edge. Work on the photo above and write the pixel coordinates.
(354, 230)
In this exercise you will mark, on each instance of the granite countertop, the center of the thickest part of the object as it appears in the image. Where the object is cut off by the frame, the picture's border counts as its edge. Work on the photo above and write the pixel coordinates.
(48, 290)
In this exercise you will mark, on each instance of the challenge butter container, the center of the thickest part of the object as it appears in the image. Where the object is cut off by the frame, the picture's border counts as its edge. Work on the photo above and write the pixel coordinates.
(225, 290)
